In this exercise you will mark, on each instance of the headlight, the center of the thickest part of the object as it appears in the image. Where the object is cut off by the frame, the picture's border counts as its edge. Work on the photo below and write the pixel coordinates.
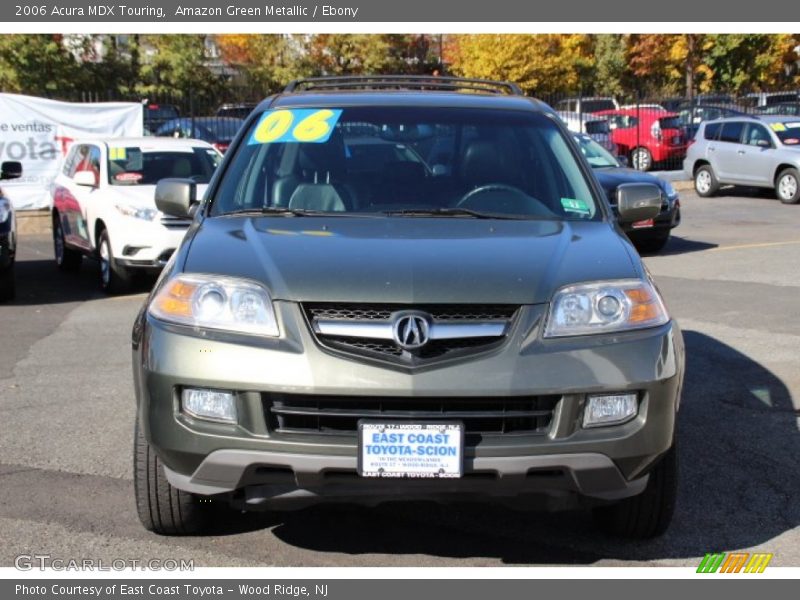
(138, 212)
(605, 307)
(211, 302)
(5, 210)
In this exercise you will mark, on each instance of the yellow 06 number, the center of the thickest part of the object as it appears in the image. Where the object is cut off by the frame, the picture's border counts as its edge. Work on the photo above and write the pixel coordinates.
(273, 127)
(314, 127)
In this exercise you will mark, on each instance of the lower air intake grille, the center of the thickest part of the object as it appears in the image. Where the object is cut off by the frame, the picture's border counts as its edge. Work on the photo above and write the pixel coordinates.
(339, 415)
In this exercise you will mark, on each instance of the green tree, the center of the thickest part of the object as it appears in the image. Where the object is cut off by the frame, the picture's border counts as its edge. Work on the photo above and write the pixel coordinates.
(37, 64)
(177, 65)
(612, 64)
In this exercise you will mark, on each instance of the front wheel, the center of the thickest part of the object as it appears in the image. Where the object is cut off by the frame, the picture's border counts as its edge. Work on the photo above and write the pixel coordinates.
(162, 508)
(786, 186)
(113, 279)
(649, 514)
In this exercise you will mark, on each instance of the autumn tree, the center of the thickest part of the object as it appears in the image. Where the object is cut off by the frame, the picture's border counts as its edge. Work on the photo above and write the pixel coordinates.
(265, 62)
(541, 64)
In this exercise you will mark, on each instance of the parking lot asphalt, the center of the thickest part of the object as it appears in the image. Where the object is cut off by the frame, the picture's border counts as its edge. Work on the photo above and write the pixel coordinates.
(729, 276)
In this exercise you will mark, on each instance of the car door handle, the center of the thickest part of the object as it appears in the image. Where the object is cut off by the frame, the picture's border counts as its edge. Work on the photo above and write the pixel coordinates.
(711, 148)
(740, 152)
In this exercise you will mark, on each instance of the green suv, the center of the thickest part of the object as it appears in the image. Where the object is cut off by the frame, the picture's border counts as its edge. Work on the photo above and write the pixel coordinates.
(405, 288)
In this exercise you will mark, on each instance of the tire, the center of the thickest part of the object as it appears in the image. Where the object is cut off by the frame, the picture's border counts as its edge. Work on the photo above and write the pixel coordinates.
(652, 244)
(8, 285)
(705, 182)
(66, 259)
(787, 186)
(649, 514)
(113, 279)
(641, 159)
(162, 508)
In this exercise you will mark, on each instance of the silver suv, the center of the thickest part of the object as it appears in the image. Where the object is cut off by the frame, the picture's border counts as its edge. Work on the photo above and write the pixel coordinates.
(754, 151)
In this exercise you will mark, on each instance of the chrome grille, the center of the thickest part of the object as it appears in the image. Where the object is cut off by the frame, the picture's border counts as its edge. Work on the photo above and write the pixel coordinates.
(365, 330)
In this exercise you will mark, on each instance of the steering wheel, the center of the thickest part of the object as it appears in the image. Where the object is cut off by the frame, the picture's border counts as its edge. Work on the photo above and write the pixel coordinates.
(472, 195)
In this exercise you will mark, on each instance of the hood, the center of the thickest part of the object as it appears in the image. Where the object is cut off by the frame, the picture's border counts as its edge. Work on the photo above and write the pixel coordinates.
(143, 195)
(410, 260)
(611, 177)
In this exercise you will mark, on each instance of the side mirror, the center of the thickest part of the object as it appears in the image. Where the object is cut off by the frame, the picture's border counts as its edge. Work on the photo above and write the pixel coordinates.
(175, 197)
(623, 161)
(638, 202)
(86, 178)
(11, 170)
(764, 144)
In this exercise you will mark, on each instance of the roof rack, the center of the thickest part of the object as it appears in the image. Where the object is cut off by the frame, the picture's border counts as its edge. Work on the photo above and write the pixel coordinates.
(402, 82)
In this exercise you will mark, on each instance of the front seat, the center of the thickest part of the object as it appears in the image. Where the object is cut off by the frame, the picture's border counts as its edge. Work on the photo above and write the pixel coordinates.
(318, 197)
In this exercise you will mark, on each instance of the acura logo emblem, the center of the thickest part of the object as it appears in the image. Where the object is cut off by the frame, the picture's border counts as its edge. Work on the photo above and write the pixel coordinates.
(411, 330)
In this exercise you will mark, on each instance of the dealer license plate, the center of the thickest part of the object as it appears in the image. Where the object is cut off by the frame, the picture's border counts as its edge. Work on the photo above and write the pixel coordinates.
(414, 450)
(644, 224)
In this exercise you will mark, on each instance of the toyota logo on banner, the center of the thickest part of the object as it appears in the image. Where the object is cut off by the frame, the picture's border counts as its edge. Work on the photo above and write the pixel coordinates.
(411, 330)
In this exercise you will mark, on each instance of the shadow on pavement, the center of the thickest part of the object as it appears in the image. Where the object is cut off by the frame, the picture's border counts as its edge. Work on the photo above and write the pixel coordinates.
(738, 445)
(679, 245)
(40, 281)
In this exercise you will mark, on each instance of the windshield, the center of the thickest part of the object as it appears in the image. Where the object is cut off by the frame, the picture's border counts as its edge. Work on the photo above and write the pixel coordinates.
(788, 132)
(407, 160)
(135, 166)
(597, 156)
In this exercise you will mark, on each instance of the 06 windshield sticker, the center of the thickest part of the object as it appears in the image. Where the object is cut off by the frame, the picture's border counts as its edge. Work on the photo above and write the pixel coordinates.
(295, 125)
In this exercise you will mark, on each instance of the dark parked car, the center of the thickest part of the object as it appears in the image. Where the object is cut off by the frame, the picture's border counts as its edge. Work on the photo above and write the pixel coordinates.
(790, 109)
(155, 115)
(692, 114)
(649, 235)
(217, 131)
(8, 233)
(239, 110)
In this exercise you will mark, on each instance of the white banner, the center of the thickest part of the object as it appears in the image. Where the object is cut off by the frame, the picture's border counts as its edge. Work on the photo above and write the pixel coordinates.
(37, 133)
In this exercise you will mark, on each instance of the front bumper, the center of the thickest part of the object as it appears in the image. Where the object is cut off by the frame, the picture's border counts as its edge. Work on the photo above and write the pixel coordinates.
(263, 467)
(138, 244)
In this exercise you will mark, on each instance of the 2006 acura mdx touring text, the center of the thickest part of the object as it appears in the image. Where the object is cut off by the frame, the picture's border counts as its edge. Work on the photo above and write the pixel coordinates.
(405, 288)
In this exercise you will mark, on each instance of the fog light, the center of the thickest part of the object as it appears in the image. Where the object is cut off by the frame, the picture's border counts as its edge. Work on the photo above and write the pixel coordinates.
(609, 409)
(209, 404)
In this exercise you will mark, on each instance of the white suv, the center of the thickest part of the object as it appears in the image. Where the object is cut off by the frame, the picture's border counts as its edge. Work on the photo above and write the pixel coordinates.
(103, 203)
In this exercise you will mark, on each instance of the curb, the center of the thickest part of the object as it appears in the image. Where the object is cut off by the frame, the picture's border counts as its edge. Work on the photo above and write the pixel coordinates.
(33, 222)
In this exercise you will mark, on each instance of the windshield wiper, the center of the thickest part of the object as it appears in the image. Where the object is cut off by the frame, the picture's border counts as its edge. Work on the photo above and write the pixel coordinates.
(273, 210)
(448, 212)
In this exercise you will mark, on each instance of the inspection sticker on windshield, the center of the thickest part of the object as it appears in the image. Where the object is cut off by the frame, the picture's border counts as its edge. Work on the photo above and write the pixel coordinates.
(414, 450)
(575, 205)
(295, 125)
(117, 153)
(778, 127)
